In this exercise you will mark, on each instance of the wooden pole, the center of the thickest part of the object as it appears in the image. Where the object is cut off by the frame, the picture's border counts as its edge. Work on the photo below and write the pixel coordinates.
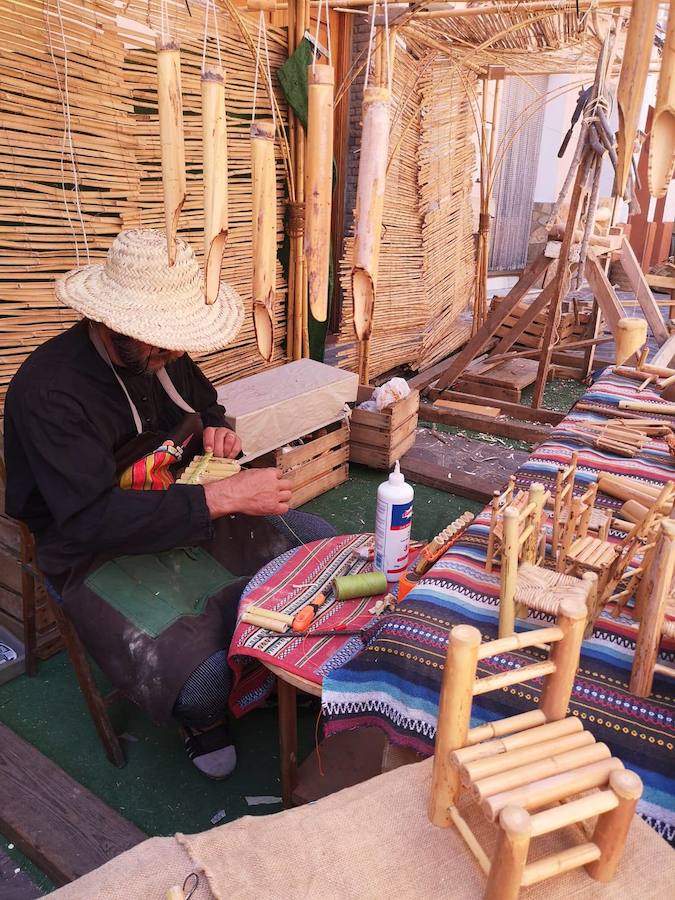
(509, 573)
(662, 138)
(565, 654)
(291, 223)
(454, 713)
(654, 593)
(264, 189)
(510, 855)
(611, 829)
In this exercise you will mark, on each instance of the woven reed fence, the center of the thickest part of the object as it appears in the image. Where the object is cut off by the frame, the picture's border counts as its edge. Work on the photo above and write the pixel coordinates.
(427, 259)
(115, 142)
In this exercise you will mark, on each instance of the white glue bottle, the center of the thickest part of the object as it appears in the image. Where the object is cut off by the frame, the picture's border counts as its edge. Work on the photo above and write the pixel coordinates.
(393, 520)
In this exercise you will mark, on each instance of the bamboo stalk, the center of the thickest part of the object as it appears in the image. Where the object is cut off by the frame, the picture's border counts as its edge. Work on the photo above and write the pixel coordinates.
(368, 214)
(214, 151)
(502, 727)
(513, 676)
(662, 137)
(510, 855)
(454, 712)
(611, 829)
(547, 732)
(520, 641)
(319, 185)
(264, 234)
(170, 104)
(630, 335)
(634, 70)
(559, 863)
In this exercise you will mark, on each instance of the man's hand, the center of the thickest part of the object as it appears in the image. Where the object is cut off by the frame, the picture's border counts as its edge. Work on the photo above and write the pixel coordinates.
(256, 492)
(222, 442)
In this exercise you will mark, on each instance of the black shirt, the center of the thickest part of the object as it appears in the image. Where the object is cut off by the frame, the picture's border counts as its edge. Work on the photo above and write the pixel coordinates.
(65, 417)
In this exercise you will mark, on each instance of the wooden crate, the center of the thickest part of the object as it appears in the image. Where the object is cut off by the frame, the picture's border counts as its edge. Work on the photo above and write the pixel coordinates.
(320, 463)
(378, 439)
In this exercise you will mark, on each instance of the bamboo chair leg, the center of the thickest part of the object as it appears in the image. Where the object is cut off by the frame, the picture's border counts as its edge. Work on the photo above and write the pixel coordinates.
(565, 654)
(509, 573)
(454, 714)
(510, 856)
(611, 829)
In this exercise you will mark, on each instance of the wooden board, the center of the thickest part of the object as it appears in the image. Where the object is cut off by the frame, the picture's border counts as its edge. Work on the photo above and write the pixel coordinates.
(515, 410)
(54, 821)
(516, 430)
(492, 411)
(459, 465)
(512, 373)
(643, 292)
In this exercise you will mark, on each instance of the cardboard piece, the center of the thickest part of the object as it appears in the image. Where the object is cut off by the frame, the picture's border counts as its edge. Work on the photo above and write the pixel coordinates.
(280, 405)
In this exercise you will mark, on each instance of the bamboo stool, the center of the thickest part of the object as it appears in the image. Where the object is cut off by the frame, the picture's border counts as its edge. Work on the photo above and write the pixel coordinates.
(526, 772)
(498, 505)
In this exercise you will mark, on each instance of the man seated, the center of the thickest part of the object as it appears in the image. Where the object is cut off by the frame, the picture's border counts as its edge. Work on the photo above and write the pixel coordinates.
(95, 419)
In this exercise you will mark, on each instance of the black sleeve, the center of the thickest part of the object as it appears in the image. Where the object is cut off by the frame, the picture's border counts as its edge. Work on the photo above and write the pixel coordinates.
(201, 394)
(75, 473)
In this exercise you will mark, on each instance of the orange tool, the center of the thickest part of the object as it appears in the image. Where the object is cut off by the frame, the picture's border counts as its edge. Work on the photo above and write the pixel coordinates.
(303, 619)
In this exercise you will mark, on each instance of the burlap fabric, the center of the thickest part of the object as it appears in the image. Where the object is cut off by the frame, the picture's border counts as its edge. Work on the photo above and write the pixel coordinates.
(367, 842)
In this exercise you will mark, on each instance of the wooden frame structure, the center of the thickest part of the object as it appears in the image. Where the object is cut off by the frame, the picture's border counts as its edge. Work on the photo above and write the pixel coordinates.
(527, 771)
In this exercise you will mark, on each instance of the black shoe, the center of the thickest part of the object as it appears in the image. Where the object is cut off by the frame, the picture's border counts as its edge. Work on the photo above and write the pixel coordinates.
(212, 751)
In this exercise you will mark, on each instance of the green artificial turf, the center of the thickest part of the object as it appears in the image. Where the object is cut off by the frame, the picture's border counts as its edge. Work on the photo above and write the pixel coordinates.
(159, 789)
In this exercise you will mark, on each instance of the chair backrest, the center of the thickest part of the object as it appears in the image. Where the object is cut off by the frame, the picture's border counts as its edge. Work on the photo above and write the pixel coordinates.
(460, 684)
(562, 497)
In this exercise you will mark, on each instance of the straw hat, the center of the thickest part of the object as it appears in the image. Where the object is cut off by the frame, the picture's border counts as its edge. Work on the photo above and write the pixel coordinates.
(137, 293)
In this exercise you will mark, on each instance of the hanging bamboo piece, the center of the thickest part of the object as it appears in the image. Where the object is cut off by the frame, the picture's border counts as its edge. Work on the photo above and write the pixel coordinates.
(264, 234)
(636, 56)
(662, 139)
(368, 215)
(214, 139)
(319, 184)
(170, 104)
(631, 334)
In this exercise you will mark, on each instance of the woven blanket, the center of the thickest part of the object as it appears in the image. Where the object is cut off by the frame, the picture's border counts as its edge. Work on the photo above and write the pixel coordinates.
(286, 585)
(394, 681)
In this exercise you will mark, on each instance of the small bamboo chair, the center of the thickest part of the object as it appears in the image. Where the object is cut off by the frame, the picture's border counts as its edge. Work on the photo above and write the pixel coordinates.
(525, 583)
(527, 771)
(499, 503)
(610, 561)
(655, 602)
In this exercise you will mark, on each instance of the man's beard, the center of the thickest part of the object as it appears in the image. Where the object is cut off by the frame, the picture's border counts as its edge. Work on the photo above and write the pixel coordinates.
(129, 354)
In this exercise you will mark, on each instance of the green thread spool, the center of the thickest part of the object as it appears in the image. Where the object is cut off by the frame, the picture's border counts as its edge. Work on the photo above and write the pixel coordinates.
(366, 584)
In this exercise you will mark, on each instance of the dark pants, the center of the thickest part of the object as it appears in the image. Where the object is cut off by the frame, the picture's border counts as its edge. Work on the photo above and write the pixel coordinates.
(203, 698)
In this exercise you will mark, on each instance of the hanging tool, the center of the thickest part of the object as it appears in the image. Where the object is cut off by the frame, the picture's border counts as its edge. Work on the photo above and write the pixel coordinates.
(584, 97)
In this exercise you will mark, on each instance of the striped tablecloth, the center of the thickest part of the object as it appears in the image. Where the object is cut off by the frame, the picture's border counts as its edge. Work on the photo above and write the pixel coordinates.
(394, 681)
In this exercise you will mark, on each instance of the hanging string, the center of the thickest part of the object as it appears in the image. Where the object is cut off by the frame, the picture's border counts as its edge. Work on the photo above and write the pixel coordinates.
(261, 24)
(269, 70)
(370, 47)
(210, 5)
(67, 139)
(316, 36)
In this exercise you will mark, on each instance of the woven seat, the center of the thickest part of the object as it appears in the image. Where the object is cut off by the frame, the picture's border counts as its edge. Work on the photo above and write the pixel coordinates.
(544, 589)
(529, 773)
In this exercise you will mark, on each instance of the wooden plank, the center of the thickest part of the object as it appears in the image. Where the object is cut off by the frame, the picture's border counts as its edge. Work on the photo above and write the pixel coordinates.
(459, 465)
(54, 821)
(527, 318)
(643, 292)
(494, 319)
(664, 355)
(662, 282)
(320, 486)
(491, 392)
(604, 293)
(515, 410)
(514, 373)
(520, 431)
(491, 411)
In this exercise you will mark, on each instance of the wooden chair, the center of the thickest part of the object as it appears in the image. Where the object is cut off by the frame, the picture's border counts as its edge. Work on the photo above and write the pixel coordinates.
(526, 772)
(525, 583)
(96, 703)
(499, 503)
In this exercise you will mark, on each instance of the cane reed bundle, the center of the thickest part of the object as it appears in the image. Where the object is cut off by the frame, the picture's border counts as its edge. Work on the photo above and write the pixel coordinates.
(214, 152)
(319, 185)
(170, 106)
(264, 235)
(112, 92)
(426, 260)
